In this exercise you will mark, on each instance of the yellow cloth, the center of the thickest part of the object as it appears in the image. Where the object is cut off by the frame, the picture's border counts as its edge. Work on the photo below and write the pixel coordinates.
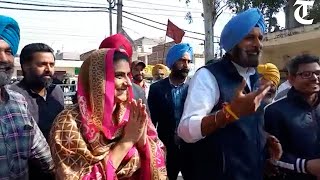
(269, 72)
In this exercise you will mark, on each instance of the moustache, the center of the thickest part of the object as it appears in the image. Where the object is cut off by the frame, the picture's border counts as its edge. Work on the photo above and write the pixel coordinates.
(183, 70)
(6, 66)
(49, 74)
(254, 52)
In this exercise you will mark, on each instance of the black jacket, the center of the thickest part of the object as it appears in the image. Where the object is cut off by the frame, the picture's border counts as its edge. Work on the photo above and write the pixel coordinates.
(43, 111)
(139, 93)
(162, 110)
(297, 126)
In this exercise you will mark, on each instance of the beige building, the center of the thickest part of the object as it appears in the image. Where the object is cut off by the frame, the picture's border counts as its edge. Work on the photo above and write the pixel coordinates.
(65, 63)
(281, 46)
(144, 48)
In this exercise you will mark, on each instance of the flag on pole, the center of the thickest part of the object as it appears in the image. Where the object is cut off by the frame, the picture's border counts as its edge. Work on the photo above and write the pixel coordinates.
(174, 32)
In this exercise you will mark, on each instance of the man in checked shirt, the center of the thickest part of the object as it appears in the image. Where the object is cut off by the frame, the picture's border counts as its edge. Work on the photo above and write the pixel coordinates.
(20, 137)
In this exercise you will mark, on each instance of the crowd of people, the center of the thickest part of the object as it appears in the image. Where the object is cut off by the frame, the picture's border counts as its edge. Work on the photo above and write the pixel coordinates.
(230, 121)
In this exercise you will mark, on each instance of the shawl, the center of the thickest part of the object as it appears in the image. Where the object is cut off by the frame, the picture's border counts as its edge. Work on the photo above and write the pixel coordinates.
(82, 136)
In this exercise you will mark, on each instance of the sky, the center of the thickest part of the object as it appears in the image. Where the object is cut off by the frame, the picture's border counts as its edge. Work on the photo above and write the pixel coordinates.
(83, 31)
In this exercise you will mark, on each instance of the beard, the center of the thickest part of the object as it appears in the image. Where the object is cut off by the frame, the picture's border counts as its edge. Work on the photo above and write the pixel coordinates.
(180, 73)
(39, 82)
(138, 77)
(247, 58)
(6, 71)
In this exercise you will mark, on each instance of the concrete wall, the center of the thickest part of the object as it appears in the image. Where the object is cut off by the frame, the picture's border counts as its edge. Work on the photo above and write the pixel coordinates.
(280, 47)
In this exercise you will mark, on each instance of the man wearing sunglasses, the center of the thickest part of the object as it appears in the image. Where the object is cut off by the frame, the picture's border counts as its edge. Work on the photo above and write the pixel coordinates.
(295, 121)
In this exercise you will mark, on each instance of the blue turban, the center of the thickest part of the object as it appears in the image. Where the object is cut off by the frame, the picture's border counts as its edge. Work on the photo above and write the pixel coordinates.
(10, 32)
(240, 26)
(176, 52)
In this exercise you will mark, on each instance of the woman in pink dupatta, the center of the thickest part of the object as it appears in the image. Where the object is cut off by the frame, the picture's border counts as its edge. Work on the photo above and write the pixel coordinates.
(107, 135)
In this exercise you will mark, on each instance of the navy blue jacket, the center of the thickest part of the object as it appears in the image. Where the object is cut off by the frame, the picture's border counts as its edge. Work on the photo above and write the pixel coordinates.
(297, 126)
(235, 152)
(162, 110)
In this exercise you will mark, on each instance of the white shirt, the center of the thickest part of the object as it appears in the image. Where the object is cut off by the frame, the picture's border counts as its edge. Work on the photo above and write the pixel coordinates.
(285, 85)
(203, 95)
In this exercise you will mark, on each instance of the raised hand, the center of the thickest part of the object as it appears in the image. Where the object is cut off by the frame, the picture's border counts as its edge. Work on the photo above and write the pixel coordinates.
(135, 126)
(246, 104)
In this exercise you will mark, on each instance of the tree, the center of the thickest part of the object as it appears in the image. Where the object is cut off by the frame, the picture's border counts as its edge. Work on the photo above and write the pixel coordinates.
(212, 9)
(315, 12)
(267, 7)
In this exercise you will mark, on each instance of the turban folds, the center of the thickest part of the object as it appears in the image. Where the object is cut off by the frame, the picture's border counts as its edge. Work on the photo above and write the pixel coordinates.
(159, 66)
(10, 32)
(117, 41)
(269, 72)
(178, 51)
(240, 26)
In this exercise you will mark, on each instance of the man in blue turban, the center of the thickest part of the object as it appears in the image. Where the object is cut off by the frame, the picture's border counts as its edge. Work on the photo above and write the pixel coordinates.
(10, 37)
(10, 32)
(166, 100)
(221, 121)
(21, 139)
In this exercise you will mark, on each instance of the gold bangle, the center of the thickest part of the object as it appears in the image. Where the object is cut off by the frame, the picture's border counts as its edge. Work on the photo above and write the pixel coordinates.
(229, 112)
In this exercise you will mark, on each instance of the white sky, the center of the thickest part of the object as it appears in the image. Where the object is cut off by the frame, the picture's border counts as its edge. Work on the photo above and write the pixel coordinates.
(83, 31)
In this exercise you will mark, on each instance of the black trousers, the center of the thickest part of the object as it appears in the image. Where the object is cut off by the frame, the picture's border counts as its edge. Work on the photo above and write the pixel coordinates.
(176, 161)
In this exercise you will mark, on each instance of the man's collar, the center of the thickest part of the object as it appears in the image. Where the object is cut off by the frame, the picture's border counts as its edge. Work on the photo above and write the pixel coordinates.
(187, 79)
(244, 71)
(45, 93)
(32, 92)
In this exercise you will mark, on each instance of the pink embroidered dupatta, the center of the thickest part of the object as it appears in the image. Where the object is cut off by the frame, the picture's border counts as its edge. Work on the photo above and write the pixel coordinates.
(82, 137)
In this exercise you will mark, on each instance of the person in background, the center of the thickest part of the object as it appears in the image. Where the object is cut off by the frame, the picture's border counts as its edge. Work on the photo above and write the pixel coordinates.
(166, 101)
(21, 140)
(159, 71)
(295, 121)
(138, 75)
(269, 72)
(45, 99)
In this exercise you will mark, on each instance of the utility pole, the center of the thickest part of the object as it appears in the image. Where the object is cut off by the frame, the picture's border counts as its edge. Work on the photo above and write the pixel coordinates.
(119, 16)
(111, 6)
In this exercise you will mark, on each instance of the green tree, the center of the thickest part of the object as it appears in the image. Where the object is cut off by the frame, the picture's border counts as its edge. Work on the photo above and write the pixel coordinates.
(212, 9)
(267, 7)
(315, 12)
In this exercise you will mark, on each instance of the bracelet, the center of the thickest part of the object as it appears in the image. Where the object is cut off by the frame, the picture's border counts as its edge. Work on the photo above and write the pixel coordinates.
(215, 119)
(228, 112)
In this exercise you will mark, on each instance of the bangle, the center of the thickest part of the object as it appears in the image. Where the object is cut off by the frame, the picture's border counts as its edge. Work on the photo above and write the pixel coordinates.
(228, 112)
(215, 119)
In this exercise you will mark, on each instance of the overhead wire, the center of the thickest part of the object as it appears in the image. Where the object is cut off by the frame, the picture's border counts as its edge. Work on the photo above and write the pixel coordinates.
(160, 22)
(63, 10)
(165, 5)
(51, 10)
(159, 28)
(60, 6)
